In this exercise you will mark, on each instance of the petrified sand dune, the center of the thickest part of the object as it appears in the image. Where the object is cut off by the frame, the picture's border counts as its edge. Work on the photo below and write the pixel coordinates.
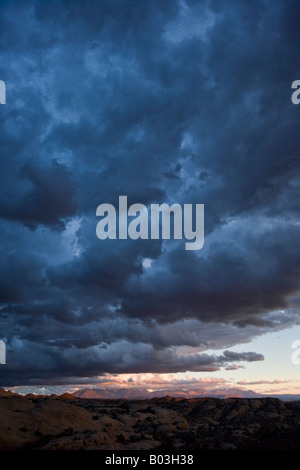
(24, 422)
(6, 393)
(15, 403)
(64, 422)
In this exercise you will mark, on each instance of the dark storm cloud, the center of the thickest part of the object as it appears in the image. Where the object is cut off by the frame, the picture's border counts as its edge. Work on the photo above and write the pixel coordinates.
(20, 277)
(170, 101)
(226, 284)
(40, 364)
(49, 199)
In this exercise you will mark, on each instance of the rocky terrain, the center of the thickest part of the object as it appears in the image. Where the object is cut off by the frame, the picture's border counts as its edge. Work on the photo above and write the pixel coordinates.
(160, 424)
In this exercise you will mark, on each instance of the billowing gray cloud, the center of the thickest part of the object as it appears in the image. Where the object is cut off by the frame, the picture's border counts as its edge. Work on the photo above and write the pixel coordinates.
(48, 201)
(186, 102)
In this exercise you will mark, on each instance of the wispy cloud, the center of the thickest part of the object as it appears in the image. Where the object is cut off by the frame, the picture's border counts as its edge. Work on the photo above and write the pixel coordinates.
(263, 382)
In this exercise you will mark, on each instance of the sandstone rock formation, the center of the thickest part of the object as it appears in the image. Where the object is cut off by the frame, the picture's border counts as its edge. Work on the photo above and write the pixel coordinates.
(164, 424)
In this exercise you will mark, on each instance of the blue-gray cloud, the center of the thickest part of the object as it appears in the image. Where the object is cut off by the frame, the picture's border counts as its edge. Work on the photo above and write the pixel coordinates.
(174, 101)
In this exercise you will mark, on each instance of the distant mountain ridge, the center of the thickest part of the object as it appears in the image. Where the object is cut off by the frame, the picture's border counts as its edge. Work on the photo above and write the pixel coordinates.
(141, 394)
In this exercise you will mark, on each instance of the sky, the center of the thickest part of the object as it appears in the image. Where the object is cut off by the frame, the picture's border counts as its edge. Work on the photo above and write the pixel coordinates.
(185, 102)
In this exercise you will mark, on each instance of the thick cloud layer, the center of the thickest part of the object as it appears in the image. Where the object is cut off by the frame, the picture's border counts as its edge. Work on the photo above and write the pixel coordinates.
(173, 101)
